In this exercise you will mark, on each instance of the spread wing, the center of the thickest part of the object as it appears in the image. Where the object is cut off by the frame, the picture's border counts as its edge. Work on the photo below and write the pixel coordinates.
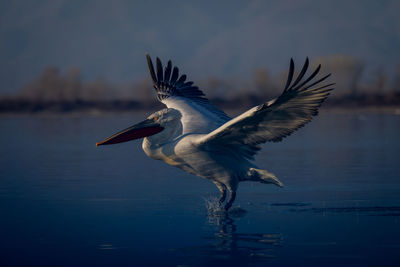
(274, 120)
(199, 115)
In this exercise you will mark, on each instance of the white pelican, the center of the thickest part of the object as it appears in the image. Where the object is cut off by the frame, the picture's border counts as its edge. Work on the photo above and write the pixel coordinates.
(197, 137)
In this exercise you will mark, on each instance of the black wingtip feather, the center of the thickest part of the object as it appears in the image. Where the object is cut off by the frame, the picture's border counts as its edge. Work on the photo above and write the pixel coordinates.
(175, 74)
(181, 80)
(167, 72)
(151, 68)
(159, 71)
(316, 82)
(309, 78)
(301, 75)
(290, 74)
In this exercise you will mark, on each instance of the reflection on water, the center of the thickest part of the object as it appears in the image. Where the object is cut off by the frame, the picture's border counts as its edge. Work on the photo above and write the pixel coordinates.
(227, 244)
(64, 202)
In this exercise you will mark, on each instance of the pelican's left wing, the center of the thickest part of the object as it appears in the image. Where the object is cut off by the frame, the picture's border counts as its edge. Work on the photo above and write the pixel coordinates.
(198, 114)
(271, 121)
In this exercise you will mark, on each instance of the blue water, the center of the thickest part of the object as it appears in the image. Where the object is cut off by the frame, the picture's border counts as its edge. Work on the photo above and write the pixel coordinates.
(64, 202)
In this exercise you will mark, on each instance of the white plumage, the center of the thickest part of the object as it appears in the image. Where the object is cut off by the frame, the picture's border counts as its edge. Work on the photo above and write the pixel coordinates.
(197, 137)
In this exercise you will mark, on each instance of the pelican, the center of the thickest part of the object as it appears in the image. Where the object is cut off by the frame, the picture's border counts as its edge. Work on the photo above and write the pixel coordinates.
(199, 138)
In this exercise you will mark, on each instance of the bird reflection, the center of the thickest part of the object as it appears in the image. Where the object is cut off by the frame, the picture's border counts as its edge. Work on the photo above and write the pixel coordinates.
(230, 243)
(227, 244)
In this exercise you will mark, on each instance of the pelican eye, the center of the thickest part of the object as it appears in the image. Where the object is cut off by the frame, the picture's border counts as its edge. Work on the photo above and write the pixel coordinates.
(155, 118)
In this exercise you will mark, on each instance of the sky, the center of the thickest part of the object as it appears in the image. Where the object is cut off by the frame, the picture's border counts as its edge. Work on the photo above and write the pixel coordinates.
(109, 39)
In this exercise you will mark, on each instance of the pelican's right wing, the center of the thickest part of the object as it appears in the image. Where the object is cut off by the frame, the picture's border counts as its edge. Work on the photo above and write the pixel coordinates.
(271, 121)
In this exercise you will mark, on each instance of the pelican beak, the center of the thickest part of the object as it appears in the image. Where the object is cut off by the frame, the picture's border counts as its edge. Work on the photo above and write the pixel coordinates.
(140, 130)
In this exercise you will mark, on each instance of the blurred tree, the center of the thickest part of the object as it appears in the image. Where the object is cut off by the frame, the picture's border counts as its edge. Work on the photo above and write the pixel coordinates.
(396, 80)
(98, 90)
(266, 87)
(45, 88)
(51, 86)
(143, 92)
(218, 88)
(72, 85)
(380, 82)
(261, 81)
(346, 73)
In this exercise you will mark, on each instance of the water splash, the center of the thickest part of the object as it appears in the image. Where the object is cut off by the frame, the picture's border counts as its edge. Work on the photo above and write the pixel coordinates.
(213, 206)
(216, 209)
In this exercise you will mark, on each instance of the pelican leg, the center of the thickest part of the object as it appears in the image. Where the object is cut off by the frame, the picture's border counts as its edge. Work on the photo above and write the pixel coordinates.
(222, 190)
(232, 196)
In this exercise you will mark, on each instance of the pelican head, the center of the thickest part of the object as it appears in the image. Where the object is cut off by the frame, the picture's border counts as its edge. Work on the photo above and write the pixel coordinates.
(161, 125)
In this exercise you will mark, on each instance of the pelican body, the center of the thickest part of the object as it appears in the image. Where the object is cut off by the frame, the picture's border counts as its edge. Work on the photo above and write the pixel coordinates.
(197, 137)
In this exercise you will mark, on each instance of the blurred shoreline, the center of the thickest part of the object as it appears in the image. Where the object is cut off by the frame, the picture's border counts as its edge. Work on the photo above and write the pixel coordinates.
(65, 91)
(25, 107)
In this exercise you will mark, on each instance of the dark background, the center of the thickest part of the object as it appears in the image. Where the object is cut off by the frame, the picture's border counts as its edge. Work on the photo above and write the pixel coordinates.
(95, 50)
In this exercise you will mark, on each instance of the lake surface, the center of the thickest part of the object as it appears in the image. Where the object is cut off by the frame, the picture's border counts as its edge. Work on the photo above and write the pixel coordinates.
(66, 202)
